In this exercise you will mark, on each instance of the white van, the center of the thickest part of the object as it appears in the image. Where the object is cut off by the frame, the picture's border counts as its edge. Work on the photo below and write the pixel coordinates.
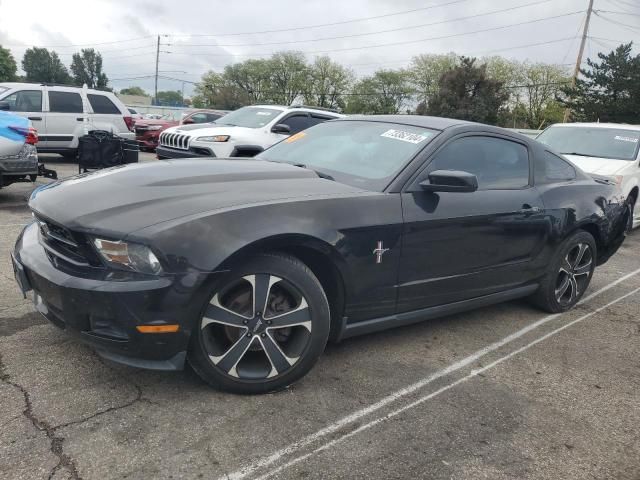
(61, 114)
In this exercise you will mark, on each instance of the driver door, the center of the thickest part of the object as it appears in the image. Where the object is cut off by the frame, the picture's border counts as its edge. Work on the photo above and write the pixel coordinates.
(461, 245)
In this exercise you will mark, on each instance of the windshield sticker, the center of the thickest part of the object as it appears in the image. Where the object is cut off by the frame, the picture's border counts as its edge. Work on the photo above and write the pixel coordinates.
(295, 137)
(404, 136)
(626, 139)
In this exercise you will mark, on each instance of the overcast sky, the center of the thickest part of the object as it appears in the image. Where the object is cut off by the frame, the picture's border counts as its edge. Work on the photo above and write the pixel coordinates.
(209, 34)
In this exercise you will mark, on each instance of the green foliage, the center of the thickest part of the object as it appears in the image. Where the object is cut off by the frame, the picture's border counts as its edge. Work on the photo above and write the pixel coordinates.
(385, 92)
(466, 92)
(134, 91)
(170, 97)
(42, 66)
(609, 90)
(86, 67)
(8, 67)
(425, 72)
(327, 82)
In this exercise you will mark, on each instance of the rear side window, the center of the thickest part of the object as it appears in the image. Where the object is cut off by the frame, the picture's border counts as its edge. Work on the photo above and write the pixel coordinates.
(65, 102)
(25, 101)
(102, 104)
(550, 168)
(499, 164)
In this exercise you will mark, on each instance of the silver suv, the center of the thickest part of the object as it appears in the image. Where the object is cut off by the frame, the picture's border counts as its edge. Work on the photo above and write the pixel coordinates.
(62, 114)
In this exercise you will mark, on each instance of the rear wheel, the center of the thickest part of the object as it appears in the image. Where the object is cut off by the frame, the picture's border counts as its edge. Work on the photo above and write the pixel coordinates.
(631, 201)
(264, 327)
(569, 274)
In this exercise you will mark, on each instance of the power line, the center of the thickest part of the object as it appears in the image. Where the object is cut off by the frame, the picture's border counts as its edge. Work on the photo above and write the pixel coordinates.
(83, 44)
(332, 24)
(617, 13)
(627, 26)
(407, 42)
(368, 33)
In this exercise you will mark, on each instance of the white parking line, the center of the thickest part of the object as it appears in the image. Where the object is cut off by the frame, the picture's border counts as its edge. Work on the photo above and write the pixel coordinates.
(334, 427)
(14, 225)
(421, 400)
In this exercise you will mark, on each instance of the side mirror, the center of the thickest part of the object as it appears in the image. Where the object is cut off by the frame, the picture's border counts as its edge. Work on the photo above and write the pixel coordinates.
(281, 128)
(450, 181)
(5, 106)
(188, 121)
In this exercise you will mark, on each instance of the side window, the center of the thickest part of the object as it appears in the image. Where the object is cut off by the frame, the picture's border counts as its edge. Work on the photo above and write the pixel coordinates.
(102, 104)
(550, 168)
(499, 164)
(297, 123)
(65, 102)
(316, 119)
(212, 116)
(25, 101)
(198, 118)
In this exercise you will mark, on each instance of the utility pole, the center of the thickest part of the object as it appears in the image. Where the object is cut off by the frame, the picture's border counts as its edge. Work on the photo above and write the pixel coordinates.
(576, 71)
(155, 97)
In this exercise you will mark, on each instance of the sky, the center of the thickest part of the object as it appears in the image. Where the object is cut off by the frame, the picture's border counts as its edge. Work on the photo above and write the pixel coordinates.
(201, 35)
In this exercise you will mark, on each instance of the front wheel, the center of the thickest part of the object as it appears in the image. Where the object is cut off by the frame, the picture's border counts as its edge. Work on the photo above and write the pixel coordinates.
(568, 275)
(264, 327)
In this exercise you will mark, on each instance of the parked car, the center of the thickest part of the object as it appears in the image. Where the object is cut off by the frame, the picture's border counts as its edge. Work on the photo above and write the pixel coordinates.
(242, 133)
(134, 114)
(63, 114)
(609, 149)
(246, 268)
(18, 155)
(148, 131)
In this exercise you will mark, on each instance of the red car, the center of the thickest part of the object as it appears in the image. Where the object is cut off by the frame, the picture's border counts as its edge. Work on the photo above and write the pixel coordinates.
(148, 131)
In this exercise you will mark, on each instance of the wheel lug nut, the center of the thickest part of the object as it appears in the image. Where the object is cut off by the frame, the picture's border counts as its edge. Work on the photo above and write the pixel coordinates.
(249, 334)
(245, 321)
(269, 322)
(263, 335)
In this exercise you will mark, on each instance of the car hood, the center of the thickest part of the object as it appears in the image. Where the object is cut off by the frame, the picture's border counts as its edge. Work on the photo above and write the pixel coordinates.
(210, 130)
(147, 123)
(120, 200)
(601, 166)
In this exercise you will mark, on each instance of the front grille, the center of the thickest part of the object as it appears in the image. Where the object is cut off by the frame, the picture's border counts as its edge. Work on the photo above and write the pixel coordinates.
(174, 140)
(62, 244)
(141, 130)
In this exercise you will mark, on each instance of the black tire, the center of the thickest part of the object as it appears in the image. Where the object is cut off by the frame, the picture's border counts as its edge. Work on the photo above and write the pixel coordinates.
(233, 345)
(70, 156)
(567, 265)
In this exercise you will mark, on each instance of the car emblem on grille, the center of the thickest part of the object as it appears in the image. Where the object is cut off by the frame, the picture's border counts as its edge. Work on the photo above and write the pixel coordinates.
(44, 228)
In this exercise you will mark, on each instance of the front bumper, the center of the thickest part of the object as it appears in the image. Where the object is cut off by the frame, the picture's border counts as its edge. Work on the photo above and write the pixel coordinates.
(104, 312)
(193, 152)
(148, 139)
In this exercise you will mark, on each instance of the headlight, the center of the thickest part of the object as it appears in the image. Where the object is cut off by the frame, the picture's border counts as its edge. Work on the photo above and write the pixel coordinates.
(154, 127)
(128, 256)
(215, 138)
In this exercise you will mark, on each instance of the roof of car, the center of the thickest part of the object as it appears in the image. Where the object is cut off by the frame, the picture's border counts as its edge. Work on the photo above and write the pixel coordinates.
(436, 123)
(304, 108)
(37, 84)
(627, 126)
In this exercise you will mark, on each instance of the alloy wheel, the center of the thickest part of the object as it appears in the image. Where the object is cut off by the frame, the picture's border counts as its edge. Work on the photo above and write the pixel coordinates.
(257, 327)
(573, 277)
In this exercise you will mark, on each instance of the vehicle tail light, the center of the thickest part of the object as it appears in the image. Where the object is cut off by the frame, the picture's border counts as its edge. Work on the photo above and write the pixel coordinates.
(30, 134)
(129, 122)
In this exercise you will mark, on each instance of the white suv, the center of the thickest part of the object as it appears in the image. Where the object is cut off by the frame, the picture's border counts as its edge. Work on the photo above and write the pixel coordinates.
(609, 149)
(242, 133)
(62, 114)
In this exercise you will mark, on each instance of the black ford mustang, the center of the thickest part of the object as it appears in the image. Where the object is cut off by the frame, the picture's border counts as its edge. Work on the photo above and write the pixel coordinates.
(245, 268)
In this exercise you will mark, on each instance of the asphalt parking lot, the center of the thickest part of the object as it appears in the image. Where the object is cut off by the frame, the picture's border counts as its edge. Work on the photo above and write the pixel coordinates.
(505, 392)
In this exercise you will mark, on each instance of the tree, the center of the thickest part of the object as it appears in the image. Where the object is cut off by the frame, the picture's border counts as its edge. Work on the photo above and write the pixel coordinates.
(467, 93)
(386, 91)
(425, 72)
(543, 84)
(610, 89)
(40, 65)
(86, 67)
(289, 77)
(8, 67)
(216, 91)
(170, 97)
(138, 91)
(328, 81)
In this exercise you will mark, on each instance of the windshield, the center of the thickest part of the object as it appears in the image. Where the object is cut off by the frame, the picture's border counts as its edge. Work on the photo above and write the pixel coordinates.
(359, 153)
(250, 117)
(614, 143)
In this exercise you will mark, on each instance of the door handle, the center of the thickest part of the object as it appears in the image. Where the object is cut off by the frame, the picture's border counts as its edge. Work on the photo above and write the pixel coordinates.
(35, 118)
(80, 119)
(528, 210)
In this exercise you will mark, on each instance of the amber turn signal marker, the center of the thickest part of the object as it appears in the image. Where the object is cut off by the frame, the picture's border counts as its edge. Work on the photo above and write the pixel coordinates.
(158, 328)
